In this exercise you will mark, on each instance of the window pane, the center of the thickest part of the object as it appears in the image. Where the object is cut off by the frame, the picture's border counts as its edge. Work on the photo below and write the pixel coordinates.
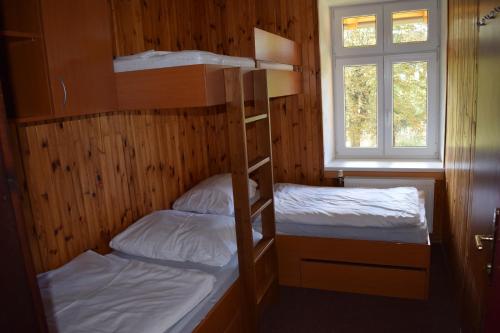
(409, 84)
(359, 31)
(410, 26)
(360, 100)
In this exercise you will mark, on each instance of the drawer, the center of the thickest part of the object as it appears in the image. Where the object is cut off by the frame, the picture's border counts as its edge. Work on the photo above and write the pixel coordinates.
(365, 279)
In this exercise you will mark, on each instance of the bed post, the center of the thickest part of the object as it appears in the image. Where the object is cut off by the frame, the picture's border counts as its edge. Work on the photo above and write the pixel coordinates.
(257, 266)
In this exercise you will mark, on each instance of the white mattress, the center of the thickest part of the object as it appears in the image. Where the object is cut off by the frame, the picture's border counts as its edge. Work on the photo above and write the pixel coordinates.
(224, 278)
(275, 65)
(417, 234)
(161, 59)
(347, 207)
(95, 293)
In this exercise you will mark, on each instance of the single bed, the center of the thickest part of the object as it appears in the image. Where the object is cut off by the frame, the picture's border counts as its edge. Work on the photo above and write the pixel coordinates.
(359, 243)
(416, 234)
(186, 279)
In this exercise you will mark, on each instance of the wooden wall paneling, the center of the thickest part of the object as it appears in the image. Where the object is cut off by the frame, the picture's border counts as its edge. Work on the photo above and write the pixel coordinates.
(84, 180)
(88, 178)
(174, 154)
(460, 135)
(217, 141)
(213, 30)
(127, 22)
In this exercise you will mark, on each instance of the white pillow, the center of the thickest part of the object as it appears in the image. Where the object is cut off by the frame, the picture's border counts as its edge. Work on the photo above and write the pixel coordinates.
(181, 236)
(214, 195)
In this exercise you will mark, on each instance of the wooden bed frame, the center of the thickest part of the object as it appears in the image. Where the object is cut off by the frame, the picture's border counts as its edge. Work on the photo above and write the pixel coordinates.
(356, 266)
(226, 316)
(203, 85)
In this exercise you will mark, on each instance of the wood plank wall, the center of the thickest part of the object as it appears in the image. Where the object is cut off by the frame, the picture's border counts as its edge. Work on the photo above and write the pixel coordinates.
(226, 27)
(460, 136)
(88, 178)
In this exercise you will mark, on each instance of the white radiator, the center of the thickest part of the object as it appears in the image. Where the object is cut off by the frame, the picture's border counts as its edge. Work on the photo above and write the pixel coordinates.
(425, 185)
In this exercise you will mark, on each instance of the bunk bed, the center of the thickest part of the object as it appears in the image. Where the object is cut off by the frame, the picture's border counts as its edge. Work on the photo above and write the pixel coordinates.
(224, 81)
(207, 80)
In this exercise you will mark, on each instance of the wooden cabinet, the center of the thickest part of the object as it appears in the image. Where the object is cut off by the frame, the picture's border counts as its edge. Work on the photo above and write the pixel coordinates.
(59, 59)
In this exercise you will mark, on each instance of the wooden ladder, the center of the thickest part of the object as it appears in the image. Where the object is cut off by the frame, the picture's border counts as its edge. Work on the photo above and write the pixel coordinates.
(258, 265)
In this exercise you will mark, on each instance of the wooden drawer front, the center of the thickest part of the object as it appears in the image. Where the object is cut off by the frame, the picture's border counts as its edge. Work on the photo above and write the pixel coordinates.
(363, 251)
(373, 280)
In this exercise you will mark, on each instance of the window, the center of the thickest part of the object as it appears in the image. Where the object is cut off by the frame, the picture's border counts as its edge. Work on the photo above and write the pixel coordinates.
(359, 31)
(386, 98)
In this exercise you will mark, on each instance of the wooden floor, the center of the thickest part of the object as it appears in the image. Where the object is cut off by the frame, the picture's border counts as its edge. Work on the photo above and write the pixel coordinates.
(307, 310)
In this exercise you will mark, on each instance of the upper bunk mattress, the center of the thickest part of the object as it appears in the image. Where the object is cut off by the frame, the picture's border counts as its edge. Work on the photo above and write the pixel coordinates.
(348, 207)
(162, 59)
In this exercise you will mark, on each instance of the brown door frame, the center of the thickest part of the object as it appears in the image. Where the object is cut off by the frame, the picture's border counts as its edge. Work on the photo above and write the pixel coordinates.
(20, 302)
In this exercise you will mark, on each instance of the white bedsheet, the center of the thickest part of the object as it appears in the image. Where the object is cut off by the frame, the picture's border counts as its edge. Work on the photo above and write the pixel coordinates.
(95, 293)
(161, 59)
(349, 207)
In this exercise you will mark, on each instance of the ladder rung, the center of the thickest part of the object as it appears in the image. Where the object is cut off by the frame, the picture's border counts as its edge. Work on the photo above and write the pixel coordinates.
(262, 247)
(257, 163)
(255, 118)
(259, 206)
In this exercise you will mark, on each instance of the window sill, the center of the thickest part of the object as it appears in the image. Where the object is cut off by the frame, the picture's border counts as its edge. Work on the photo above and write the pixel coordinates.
(422, 168)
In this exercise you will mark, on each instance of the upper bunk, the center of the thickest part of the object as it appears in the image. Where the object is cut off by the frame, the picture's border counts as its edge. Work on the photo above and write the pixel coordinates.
(162, 80)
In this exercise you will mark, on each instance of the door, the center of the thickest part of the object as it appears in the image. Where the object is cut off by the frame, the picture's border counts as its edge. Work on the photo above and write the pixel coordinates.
(79, 49)
(484, 283)
(20, 303)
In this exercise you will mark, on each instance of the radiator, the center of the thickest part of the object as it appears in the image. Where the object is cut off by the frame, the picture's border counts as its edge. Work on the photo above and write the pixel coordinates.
(425, 185)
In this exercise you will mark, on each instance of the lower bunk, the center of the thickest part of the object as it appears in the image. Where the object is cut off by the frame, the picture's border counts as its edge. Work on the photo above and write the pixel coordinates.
(124, 294)
(166, 274)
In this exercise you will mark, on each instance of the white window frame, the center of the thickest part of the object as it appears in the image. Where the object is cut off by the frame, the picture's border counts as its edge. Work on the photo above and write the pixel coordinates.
(384, 54)
(432, 32)
(431, 151)
(339, 117)
(338, 30)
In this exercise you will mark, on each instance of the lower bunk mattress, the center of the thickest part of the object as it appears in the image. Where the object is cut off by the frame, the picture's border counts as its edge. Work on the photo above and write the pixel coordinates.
(121, 279)
(225, 277)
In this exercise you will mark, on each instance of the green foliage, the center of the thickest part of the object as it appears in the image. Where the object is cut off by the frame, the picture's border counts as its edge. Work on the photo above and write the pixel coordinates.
(409, 93)
(361, 106)
(409, 123)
